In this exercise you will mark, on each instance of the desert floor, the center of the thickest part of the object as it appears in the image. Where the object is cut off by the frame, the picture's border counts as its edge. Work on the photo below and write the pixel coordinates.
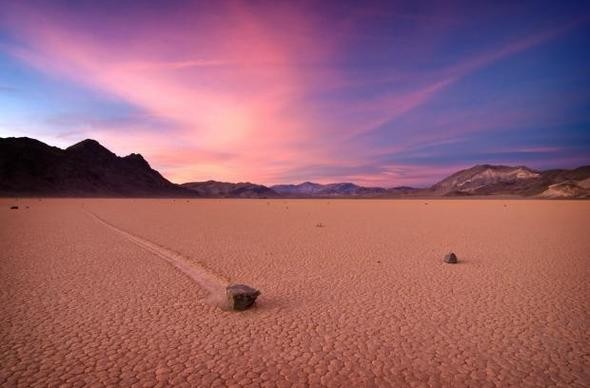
(88, 295)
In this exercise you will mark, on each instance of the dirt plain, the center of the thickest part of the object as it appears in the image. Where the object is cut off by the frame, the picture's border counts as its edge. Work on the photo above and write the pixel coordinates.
(363, 300)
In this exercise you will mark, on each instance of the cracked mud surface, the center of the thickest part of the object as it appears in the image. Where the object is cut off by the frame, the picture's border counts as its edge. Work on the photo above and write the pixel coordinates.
(363, 301)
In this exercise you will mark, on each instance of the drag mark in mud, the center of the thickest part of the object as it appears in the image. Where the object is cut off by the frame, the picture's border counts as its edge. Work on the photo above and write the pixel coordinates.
(214, 284)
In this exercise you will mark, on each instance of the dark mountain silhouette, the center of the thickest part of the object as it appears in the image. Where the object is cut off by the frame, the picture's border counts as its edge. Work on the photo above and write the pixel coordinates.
(30, 167)
(230, 190)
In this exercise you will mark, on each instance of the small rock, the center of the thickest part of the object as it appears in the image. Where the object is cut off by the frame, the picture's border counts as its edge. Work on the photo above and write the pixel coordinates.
(240, 296)
(450, 258)
(14, 207)
(319, 225)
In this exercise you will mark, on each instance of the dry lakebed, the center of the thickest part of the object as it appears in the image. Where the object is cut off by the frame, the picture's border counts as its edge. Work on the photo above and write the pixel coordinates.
(354, 293)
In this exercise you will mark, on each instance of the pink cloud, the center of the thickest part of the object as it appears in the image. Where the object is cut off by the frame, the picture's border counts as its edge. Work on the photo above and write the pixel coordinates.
(240, 98)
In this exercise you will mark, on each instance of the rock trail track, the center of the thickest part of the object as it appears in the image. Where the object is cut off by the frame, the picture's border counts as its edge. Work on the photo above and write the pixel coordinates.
(214, 284)
(364, 301)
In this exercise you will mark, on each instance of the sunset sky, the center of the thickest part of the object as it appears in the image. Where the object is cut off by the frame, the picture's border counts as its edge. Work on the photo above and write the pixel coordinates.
(377, 93)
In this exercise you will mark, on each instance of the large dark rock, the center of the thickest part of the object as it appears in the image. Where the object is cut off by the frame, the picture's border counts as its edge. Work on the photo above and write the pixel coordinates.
(450, 258)
(240, 296)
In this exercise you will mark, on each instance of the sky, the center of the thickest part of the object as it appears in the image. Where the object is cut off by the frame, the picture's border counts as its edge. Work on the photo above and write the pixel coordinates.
(377, 93)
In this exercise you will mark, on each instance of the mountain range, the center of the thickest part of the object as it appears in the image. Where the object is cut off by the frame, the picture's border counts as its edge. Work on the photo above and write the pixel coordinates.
(230, 190)
(29, 167)
(309, 189)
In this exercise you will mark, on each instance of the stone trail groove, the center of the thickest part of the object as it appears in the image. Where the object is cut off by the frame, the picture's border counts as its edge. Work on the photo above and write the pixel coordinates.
(212, 283)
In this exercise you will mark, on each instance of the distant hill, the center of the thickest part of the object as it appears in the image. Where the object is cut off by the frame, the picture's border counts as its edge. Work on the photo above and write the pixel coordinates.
(230, 190)
(480, 180)
(309, 189)
(305, 188)
(518, 181)
(30, 167)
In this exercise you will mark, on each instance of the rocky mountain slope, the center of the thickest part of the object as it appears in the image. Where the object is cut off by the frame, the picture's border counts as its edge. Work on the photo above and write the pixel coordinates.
(519, 181)
(565, 190)
(30, 167)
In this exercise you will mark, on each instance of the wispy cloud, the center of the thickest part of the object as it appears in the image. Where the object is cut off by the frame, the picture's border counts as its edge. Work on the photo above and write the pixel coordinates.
(535, 150)
(394, 105)
(267, 93)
